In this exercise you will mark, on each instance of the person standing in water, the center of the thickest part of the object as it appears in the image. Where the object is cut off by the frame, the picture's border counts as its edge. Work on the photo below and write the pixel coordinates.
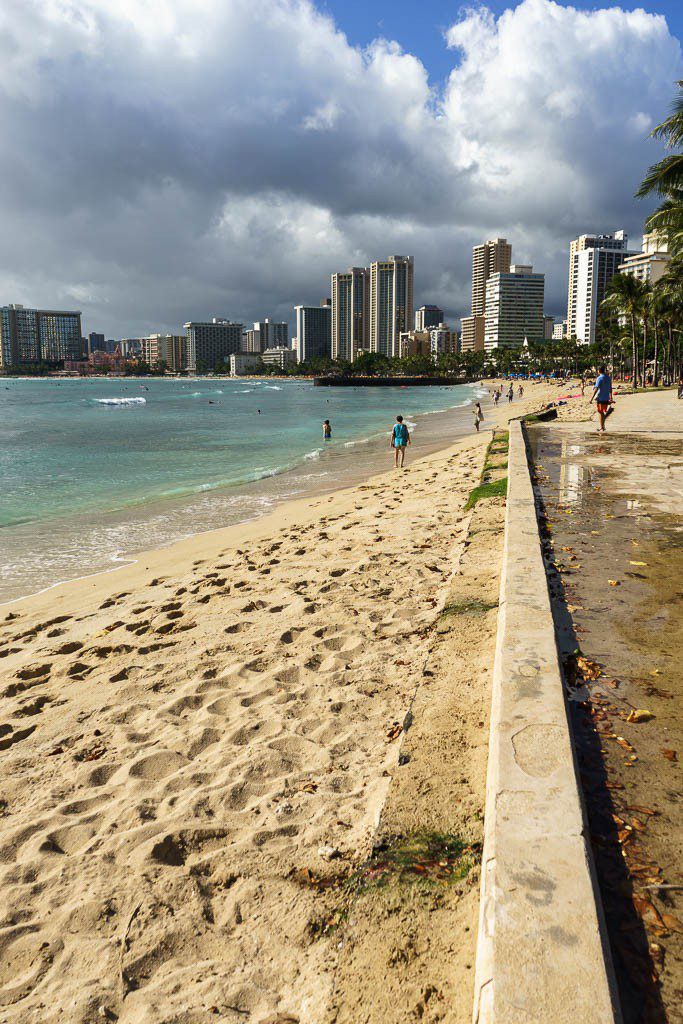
(400, 439)
(327, 430)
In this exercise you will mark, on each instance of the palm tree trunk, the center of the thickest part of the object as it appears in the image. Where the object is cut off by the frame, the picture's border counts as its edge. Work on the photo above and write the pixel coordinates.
(655, 374)
(634, 354)
(644, 376)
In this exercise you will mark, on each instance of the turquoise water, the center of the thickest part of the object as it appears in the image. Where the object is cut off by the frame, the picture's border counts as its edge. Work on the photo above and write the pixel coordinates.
(93, 470)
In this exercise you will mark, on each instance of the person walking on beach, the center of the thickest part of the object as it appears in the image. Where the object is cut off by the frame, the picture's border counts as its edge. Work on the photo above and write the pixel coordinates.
(478, 415)
(400, 439)
(327, 430)
(496, 397)
(511, 393)
(603, 391)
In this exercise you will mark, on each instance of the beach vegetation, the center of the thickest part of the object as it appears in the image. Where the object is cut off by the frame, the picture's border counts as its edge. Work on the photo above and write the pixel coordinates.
(472, 607)
(492, 489)
(425, 858)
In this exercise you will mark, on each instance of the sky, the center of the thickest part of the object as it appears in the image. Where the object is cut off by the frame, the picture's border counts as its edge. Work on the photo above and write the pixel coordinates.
(168, 160)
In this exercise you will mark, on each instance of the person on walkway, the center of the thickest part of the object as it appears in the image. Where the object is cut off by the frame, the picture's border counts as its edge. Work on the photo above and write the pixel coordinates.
(603, 392)
(478, 415)
(400, 439)
(327, 430)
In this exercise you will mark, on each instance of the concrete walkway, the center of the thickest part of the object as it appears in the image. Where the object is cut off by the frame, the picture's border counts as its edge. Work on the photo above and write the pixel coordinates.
(613, 505)
(541, 955)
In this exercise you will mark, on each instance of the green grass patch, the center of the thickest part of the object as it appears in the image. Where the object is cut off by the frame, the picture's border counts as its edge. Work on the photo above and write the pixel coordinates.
(494, 489)
(425, 858)
(489, 466)
(468, 607)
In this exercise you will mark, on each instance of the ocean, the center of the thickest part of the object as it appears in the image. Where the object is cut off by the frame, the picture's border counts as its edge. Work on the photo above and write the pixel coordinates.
(94, 471)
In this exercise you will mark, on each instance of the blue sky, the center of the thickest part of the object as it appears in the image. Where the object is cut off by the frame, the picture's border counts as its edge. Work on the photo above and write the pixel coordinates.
(419, 27)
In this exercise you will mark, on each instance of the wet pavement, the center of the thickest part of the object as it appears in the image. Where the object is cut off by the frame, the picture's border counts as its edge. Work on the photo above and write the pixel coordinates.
(611, 517)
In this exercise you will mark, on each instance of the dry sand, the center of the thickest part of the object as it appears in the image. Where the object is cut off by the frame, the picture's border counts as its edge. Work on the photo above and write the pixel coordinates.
(184, 737)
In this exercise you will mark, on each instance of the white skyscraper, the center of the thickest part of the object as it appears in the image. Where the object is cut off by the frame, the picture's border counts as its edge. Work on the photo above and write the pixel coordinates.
(589, 277)
(350, 322)
(514, 308)
(391, 303)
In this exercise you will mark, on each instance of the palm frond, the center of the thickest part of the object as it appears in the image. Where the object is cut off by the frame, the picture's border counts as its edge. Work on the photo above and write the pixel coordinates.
(664, 177)
(671, 130)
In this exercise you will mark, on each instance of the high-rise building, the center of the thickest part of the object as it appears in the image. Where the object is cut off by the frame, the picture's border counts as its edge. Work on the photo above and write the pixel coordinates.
(594, 268)
(443, 340)
(251, 341)
(266, 334)
(38, 335)
(95, 343)
(491, 257)
(165, 348)
(579, 268)
(548, 327)
(514, 308)
(210, 343)
(350, 313)
(650, 264)
(472, 334)
(428, 316)
(314, 331)
(414, 343)
(560, 330)
(391, 303)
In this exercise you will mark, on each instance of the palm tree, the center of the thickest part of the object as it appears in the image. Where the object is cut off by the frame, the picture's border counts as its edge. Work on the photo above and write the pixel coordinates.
(665, 178)
(669, 290)
(628, 296)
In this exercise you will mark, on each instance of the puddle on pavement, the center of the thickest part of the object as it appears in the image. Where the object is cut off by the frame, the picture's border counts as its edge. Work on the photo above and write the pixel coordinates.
(612, 526)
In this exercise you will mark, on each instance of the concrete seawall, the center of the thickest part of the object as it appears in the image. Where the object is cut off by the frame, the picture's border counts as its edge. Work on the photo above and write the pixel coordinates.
(541, 957)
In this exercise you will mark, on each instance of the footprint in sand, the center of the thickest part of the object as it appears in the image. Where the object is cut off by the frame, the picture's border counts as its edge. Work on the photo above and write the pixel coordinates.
(157, 766)
(9, 736)
(69, 648)
(290, 635)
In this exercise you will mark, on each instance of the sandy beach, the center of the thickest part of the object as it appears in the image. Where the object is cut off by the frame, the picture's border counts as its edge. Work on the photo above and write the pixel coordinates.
(194, 744)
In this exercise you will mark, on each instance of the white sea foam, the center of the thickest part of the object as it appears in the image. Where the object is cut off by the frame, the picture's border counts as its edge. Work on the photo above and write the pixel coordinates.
(120, 401)
(272, 387)
(314, 454)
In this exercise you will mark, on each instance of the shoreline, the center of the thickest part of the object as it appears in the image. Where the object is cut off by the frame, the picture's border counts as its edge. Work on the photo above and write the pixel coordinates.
(294, 483)
(154, 555)
(495, 416)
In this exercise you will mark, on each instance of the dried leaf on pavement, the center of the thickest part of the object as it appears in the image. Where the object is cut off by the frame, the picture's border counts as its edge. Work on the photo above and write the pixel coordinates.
(640, 715)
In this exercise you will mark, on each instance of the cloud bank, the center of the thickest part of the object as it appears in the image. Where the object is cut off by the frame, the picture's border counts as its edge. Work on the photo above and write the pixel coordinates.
(171, 159)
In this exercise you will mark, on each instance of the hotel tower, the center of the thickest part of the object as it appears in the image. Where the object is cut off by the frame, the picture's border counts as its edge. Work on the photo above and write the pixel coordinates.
(391, 303)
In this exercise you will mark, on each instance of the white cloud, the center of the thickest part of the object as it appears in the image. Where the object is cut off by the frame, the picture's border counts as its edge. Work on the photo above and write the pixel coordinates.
(181, 158)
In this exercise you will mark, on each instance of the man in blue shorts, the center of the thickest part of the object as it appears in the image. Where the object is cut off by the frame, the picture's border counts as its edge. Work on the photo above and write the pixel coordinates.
(603, 390)
(400, 439)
